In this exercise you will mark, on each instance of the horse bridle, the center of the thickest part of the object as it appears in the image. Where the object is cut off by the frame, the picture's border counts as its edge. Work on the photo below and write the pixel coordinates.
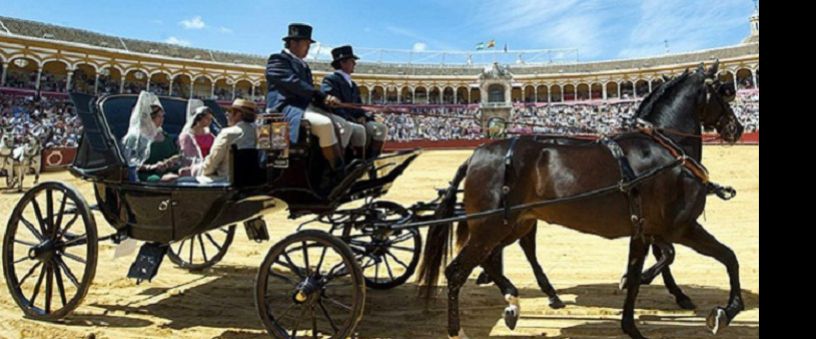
(724, 119)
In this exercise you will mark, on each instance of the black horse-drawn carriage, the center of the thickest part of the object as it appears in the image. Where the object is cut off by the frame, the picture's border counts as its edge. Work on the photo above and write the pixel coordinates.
(51, 241)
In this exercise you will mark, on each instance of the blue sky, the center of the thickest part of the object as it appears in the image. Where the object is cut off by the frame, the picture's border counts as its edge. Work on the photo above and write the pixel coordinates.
(600, 30)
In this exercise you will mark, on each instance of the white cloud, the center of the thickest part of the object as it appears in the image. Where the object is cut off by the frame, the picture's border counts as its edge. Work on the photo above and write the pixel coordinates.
(563, 24)
(416, 36)
(223, 29)
(194, 23)
(420, 47)
(687, 25)
(619, 29)
(176, 41)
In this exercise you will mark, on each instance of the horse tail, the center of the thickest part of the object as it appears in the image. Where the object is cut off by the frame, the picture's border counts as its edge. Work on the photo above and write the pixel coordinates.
(437, 248)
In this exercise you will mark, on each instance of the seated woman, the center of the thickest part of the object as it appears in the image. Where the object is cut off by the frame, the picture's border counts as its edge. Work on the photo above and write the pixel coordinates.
(241, 132)
(195, 138)
(147, 148)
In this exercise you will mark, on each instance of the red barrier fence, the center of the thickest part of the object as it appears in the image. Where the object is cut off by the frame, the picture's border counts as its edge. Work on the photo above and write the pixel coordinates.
(58, 158)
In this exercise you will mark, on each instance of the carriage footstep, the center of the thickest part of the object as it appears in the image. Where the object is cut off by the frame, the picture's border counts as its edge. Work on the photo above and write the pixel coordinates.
(147, 262)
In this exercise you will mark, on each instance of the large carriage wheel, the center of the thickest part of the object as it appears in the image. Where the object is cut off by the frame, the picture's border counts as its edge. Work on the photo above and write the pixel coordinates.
(310, 285)
(388, 257)
(203, 250)
(50, 251)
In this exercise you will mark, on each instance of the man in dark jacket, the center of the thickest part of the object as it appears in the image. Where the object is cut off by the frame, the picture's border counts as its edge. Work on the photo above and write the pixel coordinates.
(292, 92)
(340, 85)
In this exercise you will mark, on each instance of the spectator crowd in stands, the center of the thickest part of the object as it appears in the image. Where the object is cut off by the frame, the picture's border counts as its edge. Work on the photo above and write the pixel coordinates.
(20, 115)
(53, 120)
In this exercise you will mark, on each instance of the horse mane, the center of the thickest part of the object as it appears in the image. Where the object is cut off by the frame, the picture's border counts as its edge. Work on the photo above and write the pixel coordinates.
(648, 103)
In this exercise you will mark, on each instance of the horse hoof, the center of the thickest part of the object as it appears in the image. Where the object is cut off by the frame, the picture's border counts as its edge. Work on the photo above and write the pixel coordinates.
(556, 303)
(646, 280)
(686, 303)
(461, 335)
(622, 285)
(511, 315)
(483, 279)
(717, 320)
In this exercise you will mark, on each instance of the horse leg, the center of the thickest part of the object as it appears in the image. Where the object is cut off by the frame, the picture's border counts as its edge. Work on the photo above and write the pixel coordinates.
(637, 255)
(36, 175)
(472, 254)
(484, 278)
(664, 249)
(492, 267)
(698, 239)
(528, 244)
(664, 253)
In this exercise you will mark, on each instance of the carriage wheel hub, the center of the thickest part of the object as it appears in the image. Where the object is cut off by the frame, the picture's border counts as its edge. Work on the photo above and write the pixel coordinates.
(43, 251)
(308, 290)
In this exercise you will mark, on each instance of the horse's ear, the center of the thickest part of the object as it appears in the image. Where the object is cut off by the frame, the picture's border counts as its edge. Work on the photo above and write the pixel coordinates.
(666, 78)
(712, 71)
(701, 67)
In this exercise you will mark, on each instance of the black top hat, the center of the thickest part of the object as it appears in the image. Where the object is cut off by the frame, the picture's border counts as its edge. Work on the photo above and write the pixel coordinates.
(299, 31)
(340, 53)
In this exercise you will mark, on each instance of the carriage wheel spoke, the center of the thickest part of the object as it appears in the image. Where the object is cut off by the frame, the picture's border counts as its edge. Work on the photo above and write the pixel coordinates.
(38, 215)
(78, 241)
(306, 258)
(30, 271)
(283, 315)
(26, 258)
(31, 228)
(49, 275)
(339, 304)
(37, 286)
(401, 238)
(181, 246)
(376, 270)
(403, 248)
(24, 242)
(60, 285)
(282, 277)
(314, 322)
(292, 265)
(203, 250)
(73, 257)
(192, 246)
(320, 263)
(388, 267)
(341, 271)
(396, 259)
(68, 272)
(297, 322)
(49, 209)
(58, 223)
(326, 315)
(213, 241)
(69, 224)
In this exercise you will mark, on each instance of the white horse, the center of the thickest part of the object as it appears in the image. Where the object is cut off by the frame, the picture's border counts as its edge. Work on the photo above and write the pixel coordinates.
(6, 148)
(25, 158)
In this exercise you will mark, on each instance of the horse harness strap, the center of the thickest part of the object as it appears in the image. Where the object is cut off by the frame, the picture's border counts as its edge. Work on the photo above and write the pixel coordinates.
(508, 162)
(697, 169)
(625, 184)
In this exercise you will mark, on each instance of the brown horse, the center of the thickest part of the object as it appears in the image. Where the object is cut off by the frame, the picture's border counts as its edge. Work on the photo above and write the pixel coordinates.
(663, 252)
(662, 208)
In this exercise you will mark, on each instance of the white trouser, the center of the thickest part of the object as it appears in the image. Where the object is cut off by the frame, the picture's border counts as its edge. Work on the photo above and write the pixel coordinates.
(323, 122)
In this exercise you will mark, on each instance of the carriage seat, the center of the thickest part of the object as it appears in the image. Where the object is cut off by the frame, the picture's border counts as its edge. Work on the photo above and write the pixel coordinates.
(304, 143)
(247, 167)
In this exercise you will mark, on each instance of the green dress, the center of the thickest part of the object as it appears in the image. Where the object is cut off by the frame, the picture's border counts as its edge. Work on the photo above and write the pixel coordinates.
(160, 151)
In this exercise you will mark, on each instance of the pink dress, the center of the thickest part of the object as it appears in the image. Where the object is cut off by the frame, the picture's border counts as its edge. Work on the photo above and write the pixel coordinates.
(205, 142)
